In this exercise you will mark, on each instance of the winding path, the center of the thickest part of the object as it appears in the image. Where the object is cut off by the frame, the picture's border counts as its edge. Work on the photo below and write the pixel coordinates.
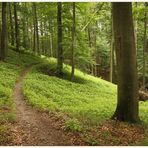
(35, 127)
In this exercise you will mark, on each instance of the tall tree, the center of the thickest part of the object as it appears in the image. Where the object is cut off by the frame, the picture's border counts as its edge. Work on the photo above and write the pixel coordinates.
(111, 51)
(17, 38)
(36, 27)
(59, 40)
(34, 31)
(127, 102)
(3, 33)
(42, 37)
(73, 41)
(11, 25)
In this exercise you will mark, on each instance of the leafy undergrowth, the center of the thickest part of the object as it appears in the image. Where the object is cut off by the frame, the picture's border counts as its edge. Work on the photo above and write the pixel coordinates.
(87, 99)
(9, 71)
(86, 102)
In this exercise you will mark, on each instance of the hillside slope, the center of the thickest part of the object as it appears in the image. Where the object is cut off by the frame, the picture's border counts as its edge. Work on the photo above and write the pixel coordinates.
(83, 103)
(87, 99)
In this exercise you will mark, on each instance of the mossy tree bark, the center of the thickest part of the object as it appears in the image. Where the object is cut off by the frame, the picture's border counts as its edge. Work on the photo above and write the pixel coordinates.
(127, 103)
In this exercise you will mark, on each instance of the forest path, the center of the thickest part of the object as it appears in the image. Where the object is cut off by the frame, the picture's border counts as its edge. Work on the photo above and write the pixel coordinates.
(35, 127)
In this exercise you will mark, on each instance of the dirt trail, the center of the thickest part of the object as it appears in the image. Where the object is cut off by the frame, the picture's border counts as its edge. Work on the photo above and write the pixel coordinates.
(35, 127)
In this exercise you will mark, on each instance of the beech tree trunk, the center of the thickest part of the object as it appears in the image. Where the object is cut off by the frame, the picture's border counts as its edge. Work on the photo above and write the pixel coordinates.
(3, 33)
(127, 102)
(16, 27)
(59, 40)
(111, 53)
(73, 42)
(11, 25)
(42, 35)
(36, 30)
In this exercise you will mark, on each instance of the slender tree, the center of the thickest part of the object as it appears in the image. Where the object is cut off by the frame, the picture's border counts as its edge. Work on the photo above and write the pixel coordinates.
(3, 32)
(127, 102)
(11, 25)
(73, 42)
(34, 31)
(42, 37)
(111, 52)
(17, 38)
(36, 28)
(59, 40)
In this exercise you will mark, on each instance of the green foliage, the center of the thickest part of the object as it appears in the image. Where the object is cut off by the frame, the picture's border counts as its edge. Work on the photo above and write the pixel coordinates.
(88, 99)
(73, 125)
(9, 71)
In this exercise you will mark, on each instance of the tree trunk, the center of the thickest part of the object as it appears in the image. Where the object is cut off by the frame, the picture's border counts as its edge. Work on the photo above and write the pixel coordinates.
(127, 103)
(73, 42)
(11, 25)
(16, 27)
(114, 76)
(3, 33)
(42, 35)
(112, 53)
(51, 50)
(59, 43)
(36, 28)
(135, 29)
(34, 32)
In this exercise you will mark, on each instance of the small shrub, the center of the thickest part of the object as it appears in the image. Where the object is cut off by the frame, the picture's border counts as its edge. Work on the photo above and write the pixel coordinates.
(73, 125)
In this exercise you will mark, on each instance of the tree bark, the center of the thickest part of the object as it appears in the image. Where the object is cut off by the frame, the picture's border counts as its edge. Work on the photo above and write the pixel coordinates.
(111, 52)
(42, 35)
(51, 49)
(3, 33)
(34, 31)
(127, 102)
(11, 25)
(73, 42)
(59, 40)
(17, 42)
(36, 28)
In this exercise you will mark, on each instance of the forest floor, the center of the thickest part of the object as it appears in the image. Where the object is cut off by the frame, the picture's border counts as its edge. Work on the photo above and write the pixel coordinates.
(32, 126)
(36, 120)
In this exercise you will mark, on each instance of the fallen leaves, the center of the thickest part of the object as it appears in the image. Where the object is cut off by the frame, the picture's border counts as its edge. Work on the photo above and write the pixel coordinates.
(117, 133)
